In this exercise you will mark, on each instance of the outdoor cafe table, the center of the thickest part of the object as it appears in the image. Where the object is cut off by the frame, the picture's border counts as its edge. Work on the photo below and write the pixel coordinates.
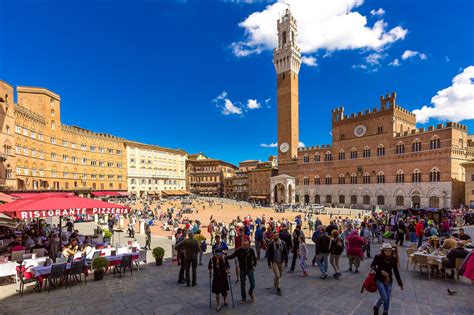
(438, 259)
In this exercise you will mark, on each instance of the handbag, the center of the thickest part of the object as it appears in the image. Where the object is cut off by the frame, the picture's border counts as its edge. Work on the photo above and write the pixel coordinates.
(369, 283)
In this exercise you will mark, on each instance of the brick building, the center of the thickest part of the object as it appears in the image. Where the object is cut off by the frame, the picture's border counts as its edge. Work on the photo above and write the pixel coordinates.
(237, 186)
(259, 182)
(377, 157)
(206, 176)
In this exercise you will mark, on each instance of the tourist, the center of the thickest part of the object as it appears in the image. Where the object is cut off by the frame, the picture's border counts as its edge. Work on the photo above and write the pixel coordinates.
(17, 245)
(463, 236)
(202, 244)
(53, 246)
(238, 243)
(28, 241)
(276, 253)
(354, 250)
(322, 251)
(286, 237)
(336, 248)
(148, 236)
(420, 231)
(295, 246)
(38, 245)
(458, 252)
(220, 270)
(70, 225)
(70, 250)
(180, 237)
(248, 262)
(385, 265)
(88, 251)
(401, 229)
(259, 240)
(412, 231)
(190, 246)
(219, 245)
(303, 253)
(365, 234)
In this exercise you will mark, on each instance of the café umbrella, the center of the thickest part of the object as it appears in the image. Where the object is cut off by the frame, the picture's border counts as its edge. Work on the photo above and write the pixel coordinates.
(59, 205)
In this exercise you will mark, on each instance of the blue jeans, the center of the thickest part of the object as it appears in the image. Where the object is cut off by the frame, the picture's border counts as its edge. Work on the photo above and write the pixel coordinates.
(413, 237)
(243, 276)
(322, 261)
(420, 240)
(385, 290)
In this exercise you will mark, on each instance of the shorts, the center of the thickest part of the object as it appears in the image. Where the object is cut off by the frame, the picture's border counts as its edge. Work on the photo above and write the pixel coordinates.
(236, 263)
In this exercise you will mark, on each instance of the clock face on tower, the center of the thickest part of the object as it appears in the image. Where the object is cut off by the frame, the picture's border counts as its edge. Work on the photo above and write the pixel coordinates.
(284, 147)
(360, 130)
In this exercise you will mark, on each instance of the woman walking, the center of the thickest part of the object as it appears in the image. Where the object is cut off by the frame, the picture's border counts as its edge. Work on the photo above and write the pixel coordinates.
(303, 252)
(384, 266)
(354, 250)
(219, 266)
(336, 247)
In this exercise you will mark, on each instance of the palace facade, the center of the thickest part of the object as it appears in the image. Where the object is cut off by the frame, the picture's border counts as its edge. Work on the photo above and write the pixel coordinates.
(378, 157)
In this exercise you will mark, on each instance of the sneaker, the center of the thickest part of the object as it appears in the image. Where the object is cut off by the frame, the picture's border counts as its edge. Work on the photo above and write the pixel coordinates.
(243, 301)
(279, 291)
(304, 274)
(324, 276)
(252, 297)
(357, 271)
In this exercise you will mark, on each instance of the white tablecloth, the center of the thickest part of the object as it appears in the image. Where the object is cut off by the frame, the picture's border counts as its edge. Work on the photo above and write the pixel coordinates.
(8, 269)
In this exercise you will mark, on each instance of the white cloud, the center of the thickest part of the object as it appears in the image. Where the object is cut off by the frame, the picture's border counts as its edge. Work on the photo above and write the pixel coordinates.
(330, 133)
(301, 145)
(270, 145)
(374, 58)
(447, 59)
(361, 66)
(309, 61)
(267, 102)
(230, 108)
(326, 24)
(408, 54)
(395, 63)
(253, 104)
(378, 12)
(453, 103)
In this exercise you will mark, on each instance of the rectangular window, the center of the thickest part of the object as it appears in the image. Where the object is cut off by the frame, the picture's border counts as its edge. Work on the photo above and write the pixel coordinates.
(92, 148)
(40, 137)
(25, 132)
(83, 147)
(64, 143)
(73, 145)
(33, 134)
(53, 140)
(17, 129)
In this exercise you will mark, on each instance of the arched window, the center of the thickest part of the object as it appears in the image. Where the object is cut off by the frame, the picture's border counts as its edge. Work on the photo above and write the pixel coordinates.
(435, 143)
(353, 199)
(399, 200)
(53, 125)
(380, 178)
(342, 155)
(306, 180)
(434, 202)
(366, 178)
(328, 156)
(381, 150)
(434, 175)
(328, 179)
(328, 199)
(380, 200)
(342, 179)
(416, 146)
(317, 157)
(400, 149)
(353, 178)
(317, 199)
(366, 200)
(353, 154)
(400, 178)
(342, 199)
(366, 152)
(306, 158)
(416, 176)
(52, 113)
(317, 180)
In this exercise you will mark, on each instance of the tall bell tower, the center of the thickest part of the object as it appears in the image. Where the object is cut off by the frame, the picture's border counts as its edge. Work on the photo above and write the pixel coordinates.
(287, 61)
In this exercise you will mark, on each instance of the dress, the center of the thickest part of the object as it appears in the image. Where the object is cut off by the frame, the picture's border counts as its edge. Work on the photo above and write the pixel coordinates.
(219, 266)
(469, 267)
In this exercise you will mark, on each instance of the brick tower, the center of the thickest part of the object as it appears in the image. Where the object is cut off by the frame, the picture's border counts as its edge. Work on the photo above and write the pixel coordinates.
(287, 61)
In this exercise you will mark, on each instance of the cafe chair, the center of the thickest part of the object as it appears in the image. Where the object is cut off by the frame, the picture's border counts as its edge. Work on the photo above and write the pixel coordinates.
(76, 271)
(141, 258)
(421, 262)
(17, 255)
(60, 260)
(125, 263)
(58, 272)
(410, 251)
(95, 255)
(454, 270)
(23, 280)
(39, 252)
(27, 256)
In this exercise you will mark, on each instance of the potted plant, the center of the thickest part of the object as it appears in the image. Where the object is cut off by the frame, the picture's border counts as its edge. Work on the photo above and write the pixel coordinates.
(107, 236)
(158, 253)
(99, 265)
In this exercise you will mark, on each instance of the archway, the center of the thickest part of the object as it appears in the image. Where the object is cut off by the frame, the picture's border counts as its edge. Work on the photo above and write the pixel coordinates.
(416, 201)
(279, 193)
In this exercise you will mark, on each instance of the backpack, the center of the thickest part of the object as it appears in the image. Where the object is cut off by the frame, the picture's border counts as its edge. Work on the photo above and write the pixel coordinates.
(203, 245)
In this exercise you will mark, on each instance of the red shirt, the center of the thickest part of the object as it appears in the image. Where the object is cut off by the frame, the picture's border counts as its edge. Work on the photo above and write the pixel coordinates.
(239, 239)
(420, 229)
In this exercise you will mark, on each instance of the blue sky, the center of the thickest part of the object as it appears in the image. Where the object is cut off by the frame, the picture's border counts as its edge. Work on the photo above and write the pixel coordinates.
(156, 71)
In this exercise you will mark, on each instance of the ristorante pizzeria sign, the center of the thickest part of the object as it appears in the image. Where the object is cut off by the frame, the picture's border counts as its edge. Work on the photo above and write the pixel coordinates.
(69, 212)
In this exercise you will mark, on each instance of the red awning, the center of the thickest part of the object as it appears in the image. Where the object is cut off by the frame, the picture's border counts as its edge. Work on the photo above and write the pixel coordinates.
(6, 198)
(123, 193)
(43, 194)
(59, 205)
(105, 193)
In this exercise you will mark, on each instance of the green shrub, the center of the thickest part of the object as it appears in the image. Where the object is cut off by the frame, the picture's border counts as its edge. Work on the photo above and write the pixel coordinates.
(100, 263)
(107, 234)
(158, 252)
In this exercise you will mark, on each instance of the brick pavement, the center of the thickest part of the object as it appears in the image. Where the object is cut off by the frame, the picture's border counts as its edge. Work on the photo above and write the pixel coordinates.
(154, 291)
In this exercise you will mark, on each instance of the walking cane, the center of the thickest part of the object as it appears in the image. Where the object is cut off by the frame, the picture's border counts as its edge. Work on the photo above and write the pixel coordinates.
(210, 291)
(231, 293)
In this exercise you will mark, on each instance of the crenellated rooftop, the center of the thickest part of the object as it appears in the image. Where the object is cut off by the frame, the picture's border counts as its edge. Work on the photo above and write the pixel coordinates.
(315, 147)
(86, 132)
(25, 111)
(431, 129)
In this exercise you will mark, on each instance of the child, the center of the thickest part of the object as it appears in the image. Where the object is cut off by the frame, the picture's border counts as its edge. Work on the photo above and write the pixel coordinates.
(303, 252)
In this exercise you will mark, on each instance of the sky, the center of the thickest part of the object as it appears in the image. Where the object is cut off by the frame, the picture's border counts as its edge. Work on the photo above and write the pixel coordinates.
(198, 74)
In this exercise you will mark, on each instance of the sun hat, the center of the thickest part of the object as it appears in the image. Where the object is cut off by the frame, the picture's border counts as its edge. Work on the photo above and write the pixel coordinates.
(434, 238)
(386, 246)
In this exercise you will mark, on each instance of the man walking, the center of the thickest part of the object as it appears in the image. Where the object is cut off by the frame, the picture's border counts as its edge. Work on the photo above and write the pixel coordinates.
(276, 255)
(322, 251)
(366, 236)
(296, 245)
(286, 237)
(191, 251)
(247, 262)
(258, 240)
(180, 237)
(148, 236)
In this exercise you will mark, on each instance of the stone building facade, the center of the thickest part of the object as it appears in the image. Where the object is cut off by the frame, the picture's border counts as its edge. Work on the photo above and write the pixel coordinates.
(378, 157)
(237, 186)
(152, 169)
(259, 182)
(206, 176)
(469, 189)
